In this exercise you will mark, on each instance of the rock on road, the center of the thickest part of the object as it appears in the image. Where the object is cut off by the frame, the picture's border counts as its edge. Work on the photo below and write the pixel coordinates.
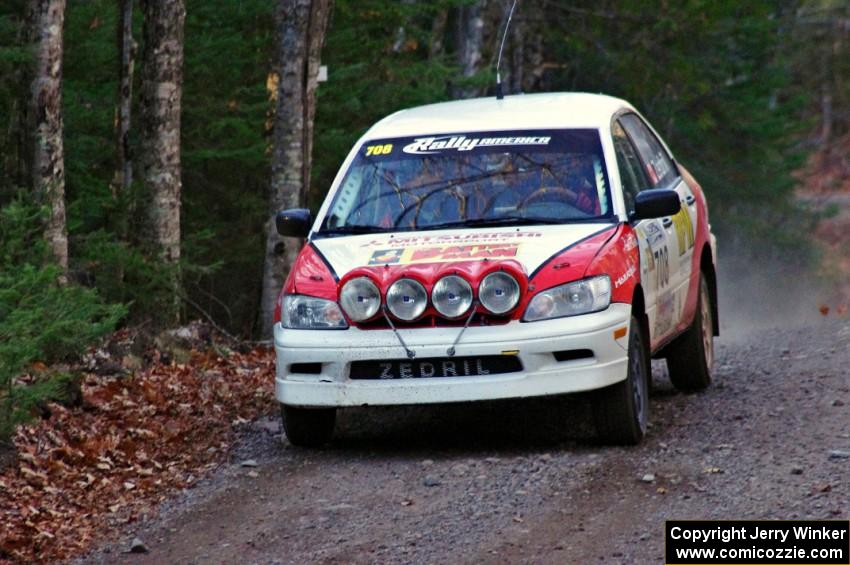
(523, 482)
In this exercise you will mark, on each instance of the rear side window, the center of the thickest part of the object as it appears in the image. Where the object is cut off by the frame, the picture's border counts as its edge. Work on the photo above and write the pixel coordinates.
(659, 167)
(631, 170)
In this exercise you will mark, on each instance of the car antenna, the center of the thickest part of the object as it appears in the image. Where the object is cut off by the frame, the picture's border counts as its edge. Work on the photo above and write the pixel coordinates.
(499, 94)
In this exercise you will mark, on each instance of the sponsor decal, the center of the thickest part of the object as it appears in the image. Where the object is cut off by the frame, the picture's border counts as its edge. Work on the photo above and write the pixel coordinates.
(664, 313)
(415, 240)
(443, 254)
(431, 367)
(646, 259)
(630, 272)
(629, 242)
(426, 369)
(684, 230)
(386, 256)
(435, 144)
(654, 233)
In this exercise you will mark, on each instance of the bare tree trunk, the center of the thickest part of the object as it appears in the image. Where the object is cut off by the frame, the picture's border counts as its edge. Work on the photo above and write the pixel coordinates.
(524, 49)
(47, 18)
(535, 64)
(162, 88)
(302, 25)
(127, 49)
(400, 44)
(826, 115)
(515, 75)
(438, 34)
(470, 39)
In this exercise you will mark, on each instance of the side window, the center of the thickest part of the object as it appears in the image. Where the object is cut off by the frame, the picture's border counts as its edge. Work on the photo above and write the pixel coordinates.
(631, 173)
(660, 169)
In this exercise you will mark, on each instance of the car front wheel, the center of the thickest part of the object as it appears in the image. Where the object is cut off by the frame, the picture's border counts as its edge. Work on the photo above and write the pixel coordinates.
(308, 427)
(622, 409)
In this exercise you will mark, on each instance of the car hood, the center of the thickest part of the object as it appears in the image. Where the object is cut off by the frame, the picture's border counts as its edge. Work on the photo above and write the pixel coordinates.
(530, 246)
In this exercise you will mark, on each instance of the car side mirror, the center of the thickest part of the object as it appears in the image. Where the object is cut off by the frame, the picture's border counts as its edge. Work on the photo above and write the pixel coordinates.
(656, 203)
(294, 223)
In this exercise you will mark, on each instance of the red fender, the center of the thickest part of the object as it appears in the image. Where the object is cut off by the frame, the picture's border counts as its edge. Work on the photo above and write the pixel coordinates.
(619, 258)
(310, 275)
(701, 235)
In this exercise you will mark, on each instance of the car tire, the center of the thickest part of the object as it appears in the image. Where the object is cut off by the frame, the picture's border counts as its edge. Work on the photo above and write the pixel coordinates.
(691, 356)
(622, 409)
(308, 427)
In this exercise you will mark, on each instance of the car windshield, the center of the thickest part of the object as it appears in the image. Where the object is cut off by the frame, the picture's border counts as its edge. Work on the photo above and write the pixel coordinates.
(473, 179)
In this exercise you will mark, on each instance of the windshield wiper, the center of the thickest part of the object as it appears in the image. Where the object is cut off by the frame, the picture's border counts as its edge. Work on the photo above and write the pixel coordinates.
(358, 229)
(354, 229)
(490, 222)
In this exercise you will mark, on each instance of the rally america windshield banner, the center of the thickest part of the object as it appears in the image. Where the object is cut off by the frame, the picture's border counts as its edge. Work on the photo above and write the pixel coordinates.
(561, 141)
(431, 145)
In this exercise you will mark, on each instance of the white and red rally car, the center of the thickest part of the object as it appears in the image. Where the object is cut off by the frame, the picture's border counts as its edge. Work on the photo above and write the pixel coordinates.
(483, 249)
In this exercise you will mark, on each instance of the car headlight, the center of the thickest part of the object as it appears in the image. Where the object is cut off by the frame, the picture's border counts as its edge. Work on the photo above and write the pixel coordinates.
(301, 312)
(360, 298)
(452, 296)
(571, 299)
(407, 299)
(499, 292)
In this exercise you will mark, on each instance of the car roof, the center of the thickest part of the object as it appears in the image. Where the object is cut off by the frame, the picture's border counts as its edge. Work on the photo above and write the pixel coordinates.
(557, 110)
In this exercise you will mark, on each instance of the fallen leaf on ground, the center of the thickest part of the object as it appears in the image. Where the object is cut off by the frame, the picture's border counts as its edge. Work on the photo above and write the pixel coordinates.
(132, 442)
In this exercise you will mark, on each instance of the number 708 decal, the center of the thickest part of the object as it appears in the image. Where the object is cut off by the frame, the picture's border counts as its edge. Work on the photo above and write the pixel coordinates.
(662, 269)
(384, 149)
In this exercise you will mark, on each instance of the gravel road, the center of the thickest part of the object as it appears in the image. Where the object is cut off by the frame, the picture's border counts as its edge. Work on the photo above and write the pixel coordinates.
(516, 482)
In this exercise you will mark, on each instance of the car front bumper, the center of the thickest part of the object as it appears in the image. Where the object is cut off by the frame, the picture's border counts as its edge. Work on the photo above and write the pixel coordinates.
(534, 343)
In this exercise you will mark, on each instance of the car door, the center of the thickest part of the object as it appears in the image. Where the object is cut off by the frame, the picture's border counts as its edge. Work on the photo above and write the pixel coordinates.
(661, 172)
(653, 239)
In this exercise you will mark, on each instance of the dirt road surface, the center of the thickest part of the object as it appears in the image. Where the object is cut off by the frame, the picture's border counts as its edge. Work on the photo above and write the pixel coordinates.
(522, 482)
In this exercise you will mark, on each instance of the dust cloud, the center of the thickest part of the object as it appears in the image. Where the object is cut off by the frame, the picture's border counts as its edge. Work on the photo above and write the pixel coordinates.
(758, 291)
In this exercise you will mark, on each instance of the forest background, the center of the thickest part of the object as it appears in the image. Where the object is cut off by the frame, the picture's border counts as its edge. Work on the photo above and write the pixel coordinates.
(166, 208)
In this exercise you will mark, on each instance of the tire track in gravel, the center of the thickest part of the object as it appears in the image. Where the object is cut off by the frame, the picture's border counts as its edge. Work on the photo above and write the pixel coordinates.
(520, 482)
(755, 445)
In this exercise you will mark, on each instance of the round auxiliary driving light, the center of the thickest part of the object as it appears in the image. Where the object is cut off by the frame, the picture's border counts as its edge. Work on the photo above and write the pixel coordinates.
(452, 296)
(499, 292)
(407, 299)
(360, 298)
